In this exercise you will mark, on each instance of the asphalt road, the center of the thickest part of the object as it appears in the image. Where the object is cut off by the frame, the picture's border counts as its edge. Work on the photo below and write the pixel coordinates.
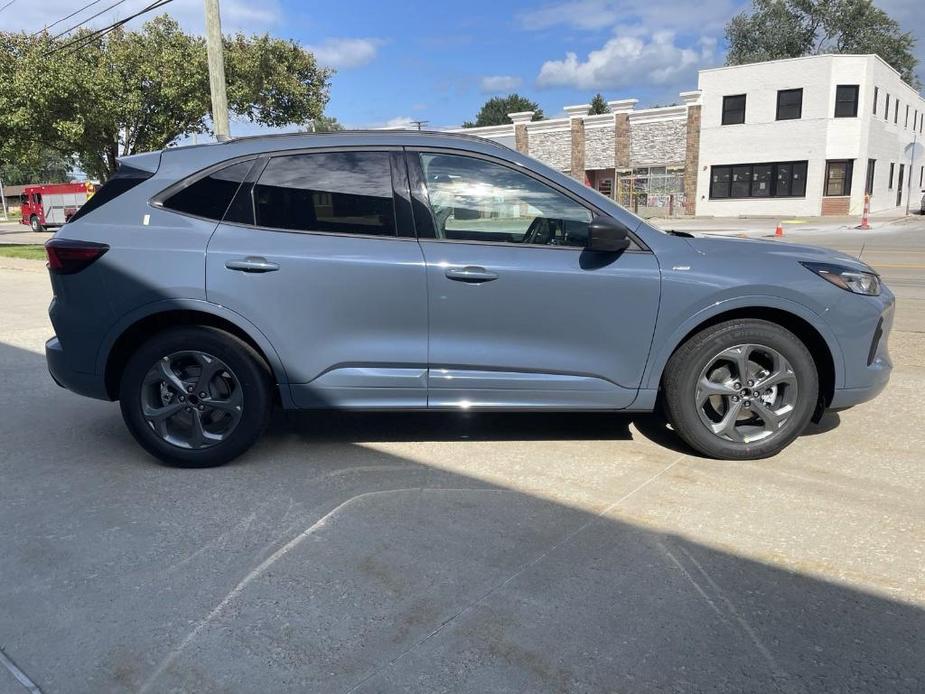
(475, 553)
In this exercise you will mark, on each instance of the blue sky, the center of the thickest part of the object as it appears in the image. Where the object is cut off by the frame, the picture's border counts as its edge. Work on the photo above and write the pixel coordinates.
(439, 62)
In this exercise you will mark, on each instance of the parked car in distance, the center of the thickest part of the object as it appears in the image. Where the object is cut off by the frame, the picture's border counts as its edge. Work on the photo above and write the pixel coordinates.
(390, 270)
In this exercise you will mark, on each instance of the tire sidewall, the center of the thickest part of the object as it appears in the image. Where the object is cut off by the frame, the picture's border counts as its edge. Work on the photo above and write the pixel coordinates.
(685, 368)
(247, 366)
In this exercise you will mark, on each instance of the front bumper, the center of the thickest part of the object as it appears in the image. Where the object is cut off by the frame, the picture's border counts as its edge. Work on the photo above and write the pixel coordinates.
(866, 350)
(88, 384)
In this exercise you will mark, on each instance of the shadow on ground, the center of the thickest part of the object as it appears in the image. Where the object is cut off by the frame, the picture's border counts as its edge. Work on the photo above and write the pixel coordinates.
(319, 563)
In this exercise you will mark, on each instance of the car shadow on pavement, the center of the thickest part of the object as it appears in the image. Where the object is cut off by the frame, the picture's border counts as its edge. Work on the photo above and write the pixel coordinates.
(341, 567)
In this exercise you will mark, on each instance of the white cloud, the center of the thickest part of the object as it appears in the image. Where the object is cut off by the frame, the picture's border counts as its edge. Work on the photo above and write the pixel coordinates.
(237, 15)
(345, 52)
(494, 84)
(630, 60)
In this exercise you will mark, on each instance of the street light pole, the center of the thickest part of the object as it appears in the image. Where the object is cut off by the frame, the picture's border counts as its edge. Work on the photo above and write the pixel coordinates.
(215, 53)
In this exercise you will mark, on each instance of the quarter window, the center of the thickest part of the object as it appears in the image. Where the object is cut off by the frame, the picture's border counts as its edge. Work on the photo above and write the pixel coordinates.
(846, 101)
(338, 192)
(838, 177)
(789, 104)
(476, 200)
(734, 109)
(210, 195)
(769, 180)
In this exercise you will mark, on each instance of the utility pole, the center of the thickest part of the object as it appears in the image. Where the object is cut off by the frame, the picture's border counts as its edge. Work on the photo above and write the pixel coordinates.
(420, 123)
(215, 52)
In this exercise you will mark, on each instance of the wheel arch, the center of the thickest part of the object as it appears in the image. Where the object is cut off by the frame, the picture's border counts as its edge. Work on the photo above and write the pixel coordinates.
(797, 319)
(134, 329)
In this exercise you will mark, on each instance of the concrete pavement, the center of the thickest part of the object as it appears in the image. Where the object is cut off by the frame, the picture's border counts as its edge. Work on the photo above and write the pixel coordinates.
(380, 553)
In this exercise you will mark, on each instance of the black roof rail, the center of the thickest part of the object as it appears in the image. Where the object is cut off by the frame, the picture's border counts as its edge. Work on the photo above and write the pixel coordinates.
(368, 131)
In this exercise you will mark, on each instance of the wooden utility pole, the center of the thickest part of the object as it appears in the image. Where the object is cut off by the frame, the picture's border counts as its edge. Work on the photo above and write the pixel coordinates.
(216, 55)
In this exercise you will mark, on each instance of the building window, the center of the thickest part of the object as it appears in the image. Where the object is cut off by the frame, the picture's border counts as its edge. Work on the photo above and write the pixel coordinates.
(896, 112)
(876, 95)
(869, 185)
(838, 177)
(906, 125)
(734, 109)
(769, 180)
(886, 111)
(890, 181)
(789, 104)
(921, 175)
(846, 101)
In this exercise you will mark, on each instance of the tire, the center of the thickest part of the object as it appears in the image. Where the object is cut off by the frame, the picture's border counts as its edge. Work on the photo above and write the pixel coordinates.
(232, 416)
(714, 355)
(34, 223)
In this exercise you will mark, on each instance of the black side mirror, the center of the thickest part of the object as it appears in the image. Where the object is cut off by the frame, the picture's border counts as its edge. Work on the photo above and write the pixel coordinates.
(607, 235)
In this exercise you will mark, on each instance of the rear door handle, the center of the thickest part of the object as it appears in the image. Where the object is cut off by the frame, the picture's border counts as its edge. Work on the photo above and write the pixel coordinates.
(471, 274)
(252, 264)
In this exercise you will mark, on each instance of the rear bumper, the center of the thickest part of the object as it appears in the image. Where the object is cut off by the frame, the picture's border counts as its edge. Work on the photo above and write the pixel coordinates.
(90, 385)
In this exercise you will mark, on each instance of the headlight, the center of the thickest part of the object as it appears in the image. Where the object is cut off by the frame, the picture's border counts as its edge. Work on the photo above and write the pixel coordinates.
(847, 278)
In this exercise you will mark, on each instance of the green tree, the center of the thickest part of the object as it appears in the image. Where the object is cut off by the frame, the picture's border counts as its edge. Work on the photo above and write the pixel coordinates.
(495, 110)
(38, 165)
(324, 124)
(776, 29)
(130, 92)
(598, 105)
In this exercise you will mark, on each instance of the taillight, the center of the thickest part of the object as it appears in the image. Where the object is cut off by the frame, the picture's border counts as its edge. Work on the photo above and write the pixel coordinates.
(67, 256)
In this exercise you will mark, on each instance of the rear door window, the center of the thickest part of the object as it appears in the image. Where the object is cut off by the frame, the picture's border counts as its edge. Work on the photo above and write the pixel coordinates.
(336, 192)
(210, 195)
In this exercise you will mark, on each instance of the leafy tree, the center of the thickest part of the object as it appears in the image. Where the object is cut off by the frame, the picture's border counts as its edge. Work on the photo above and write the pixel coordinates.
(129, 92)
(325, 124)
(598, 105)
(791, 28)
(37, 166)
(495, 110)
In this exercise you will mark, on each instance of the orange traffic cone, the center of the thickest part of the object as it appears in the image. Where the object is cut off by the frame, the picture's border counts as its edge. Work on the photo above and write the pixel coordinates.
(779, 231)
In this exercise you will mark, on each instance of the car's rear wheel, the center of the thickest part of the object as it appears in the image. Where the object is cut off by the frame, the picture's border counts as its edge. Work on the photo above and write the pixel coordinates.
(742, 390)
(195, 396)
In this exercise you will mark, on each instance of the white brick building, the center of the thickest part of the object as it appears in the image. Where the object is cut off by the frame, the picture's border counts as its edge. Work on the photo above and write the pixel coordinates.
(808, 136)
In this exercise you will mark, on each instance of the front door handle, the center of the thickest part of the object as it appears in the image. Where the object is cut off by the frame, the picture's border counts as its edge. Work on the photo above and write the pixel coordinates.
(471, 274)
(252, 264)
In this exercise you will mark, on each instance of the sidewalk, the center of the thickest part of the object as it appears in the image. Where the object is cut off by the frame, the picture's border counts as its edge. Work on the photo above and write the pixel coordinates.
(764, 226)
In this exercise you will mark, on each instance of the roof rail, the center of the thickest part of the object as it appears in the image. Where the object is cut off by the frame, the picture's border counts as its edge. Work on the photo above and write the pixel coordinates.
(369, 131)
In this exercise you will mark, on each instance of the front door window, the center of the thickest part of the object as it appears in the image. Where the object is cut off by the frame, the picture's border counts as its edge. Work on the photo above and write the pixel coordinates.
(477, 200)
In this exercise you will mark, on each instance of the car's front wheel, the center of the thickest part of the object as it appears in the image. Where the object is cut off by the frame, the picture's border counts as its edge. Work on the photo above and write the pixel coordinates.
(195, 396)
(35, 224)
(743, 389)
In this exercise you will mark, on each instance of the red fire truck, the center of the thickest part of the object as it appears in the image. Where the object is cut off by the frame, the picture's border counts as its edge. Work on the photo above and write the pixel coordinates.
(52, 204)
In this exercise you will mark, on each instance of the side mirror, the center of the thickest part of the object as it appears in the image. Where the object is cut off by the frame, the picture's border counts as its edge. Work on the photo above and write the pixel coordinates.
(607, 235)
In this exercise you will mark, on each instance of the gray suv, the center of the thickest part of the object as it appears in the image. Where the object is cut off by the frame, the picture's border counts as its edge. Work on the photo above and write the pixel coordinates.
(390, 270)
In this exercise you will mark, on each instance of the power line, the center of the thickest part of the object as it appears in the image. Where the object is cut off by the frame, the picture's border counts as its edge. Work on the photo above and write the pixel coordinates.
(49, 26)
(7, 5)
(82, 41)
(77, 26)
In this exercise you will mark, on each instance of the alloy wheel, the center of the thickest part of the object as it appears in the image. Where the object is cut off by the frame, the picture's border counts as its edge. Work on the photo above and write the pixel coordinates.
(746, 393)
(192, 399)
